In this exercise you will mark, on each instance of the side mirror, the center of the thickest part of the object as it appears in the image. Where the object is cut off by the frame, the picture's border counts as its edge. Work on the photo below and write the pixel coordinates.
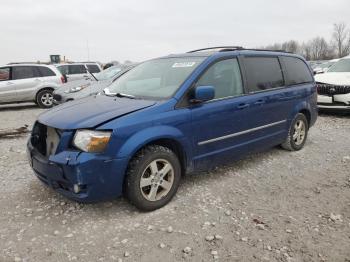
(202, 94)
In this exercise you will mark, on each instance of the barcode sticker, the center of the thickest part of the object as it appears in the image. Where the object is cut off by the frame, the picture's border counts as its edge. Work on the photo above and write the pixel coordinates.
(184, 64)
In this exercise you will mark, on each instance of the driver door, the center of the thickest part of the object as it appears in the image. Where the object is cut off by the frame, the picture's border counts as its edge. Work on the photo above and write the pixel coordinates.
(217, 124)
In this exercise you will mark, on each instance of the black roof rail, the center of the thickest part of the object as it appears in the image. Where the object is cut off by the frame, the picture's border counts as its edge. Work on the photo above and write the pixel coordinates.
(232, 48)
(223, 48)
(268, 50)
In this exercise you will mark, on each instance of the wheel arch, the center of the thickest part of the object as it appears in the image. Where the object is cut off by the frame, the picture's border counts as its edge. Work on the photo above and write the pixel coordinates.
(303, 108)
(166, 136)
(41, 89)
(174, 146)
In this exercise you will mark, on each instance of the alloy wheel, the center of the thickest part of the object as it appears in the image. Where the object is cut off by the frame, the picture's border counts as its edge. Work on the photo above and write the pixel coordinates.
(299, 132)
(47, 99)
(157, 180)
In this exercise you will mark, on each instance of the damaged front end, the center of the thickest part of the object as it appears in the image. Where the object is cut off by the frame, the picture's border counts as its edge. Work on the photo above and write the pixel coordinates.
(333, 96)
(75, 174)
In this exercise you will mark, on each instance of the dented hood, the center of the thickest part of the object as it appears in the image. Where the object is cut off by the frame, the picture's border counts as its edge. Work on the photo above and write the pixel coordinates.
(91, 111)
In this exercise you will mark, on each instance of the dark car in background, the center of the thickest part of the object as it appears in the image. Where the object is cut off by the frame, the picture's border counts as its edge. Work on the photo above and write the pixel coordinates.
(86, 87)
(171, 116)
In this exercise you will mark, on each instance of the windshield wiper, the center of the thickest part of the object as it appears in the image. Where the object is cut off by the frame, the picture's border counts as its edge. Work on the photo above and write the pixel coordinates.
(124, 95)
(108, 93)
(92, 74)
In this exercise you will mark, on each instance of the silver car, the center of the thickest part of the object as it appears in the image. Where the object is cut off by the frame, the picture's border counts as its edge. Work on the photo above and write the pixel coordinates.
(78, 71)
(29, 83)
(82, 88)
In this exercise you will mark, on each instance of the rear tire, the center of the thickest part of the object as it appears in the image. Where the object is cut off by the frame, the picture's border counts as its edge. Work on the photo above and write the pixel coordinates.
(153, 177)
(44, 98)
(297, 133)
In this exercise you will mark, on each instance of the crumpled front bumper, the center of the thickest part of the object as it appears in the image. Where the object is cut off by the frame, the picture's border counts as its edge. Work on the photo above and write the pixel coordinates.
(97, 177)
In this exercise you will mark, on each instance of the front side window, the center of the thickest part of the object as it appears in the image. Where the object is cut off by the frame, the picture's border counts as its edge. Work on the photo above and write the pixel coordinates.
(297, 71)
(225, 77)
(76, 69)
(342, 65)
(158, 78)
(4, 74)
(93, 68)
(263, 73)
(23, 72)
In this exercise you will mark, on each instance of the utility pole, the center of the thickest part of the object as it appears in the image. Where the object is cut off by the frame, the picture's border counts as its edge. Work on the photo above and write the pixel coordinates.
(88, 50)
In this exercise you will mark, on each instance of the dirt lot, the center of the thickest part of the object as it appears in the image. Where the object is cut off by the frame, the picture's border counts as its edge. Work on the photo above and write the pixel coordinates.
(273, 206)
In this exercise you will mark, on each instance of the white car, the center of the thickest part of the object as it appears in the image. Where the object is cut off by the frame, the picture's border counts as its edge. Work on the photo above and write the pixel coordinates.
(29, 83)
(333, 86)
(78, 71)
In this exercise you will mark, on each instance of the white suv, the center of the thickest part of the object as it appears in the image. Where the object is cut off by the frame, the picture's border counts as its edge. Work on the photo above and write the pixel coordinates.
(29, 83)
(333, 86)
(78, 71)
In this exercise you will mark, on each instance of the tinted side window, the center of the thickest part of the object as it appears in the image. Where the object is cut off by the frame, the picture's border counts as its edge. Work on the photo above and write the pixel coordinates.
(263, 73)
(93, 68)
(225, 77)
(76, 69)
(297, 71)
(4, 73)
(45, 71)
(23, 72)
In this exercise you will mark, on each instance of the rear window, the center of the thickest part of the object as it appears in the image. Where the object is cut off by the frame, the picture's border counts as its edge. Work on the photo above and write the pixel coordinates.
(263, 73)
(76, 69)
(93, 68)
(297, 71)
(23, 72)
(45, 71)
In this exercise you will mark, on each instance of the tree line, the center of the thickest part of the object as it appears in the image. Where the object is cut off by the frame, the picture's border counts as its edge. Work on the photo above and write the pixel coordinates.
(318, 48)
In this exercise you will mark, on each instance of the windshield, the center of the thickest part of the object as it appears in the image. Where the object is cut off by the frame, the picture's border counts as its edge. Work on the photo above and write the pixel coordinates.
(108, 73)
(325, 65)
(158, 78)
(342, 65)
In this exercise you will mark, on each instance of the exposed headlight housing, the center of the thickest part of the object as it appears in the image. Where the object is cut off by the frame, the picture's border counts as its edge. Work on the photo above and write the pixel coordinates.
(77, 88)
(91, 140)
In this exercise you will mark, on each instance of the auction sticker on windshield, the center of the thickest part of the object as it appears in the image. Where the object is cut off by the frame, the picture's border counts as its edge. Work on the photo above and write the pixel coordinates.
(184, 64)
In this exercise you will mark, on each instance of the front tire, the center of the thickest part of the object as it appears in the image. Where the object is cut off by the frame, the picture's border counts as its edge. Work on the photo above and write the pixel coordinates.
(297, 133)
(153, 177)
(44, 98)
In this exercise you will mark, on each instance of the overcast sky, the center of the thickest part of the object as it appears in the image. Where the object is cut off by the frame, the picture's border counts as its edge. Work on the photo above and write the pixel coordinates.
(31, 30)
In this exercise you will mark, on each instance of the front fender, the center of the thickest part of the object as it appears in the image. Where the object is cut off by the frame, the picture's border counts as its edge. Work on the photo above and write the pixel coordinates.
(146, 136)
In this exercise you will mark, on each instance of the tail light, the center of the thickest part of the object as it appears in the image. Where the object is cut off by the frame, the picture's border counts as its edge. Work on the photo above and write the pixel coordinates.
(63, 79)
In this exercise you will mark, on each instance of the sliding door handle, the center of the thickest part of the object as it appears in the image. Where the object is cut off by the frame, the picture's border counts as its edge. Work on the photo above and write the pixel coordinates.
(260, 102)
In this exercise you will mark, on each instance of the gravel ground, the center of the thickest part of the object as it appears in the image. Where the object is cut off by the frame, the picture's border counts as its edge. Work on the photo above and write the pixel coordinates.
(272, 206)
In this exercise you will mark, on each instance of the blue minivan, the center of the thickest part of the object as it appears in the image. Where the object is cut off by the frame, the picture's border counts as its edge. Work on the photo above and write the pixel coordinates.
(171, 116)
